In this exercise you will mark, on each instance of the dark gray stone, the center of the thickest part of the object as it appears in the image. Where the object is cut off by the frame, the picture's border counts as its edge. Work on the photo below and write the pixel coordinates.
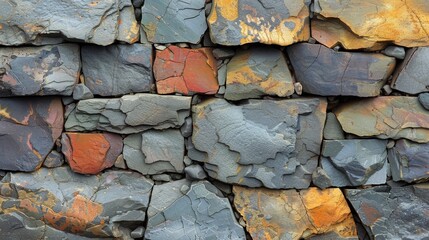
(223, 53)
(321, 179)
(332, 130)
(186, 128)
(82, 92)
(395, 51)
(195, 171)
(424, 100)
(53, 160)
(138, 232)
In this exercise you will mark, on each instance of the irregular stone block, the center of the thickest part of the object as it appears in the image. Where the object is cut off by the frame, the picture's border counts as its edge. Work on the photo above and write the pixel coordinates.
(201, 212)
(393, 213)
(288, 214)
(155, 152)
(48, 70)
(186, 71)
(372, 20)
(29, 128)
(76, 204)
(170, 21)
(332, 130)
(117, 69)
(91, 153)
(326, 72)
(257, 72)
(385, 117)
(409, 161)
(129, 114)
(53, 160)
(395, 51)
(267, 143)
(82, 92)
(269, 22)
(424, 100)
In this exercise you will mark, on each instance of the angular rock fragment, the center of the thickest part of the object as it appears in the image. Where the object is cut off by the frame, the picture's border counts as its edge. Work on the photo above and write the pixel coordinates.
(267, 143)
(325, 72)
(257, 72)
(82, 92)
(117, 69)
(332, 130)
(288, 214)
(185, 71)
(424, 100)
(74, 205)
(53, 160)
(269, 22)
(395, 51)
(29, 128)
(129, 114)
(170, 21)
(91, 153)
(48, 70)
(385, 117)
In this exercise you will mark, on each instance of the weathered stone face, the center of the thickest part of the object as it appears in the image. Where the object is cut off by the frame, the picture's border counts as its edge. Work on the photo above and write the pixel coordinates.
(185, 71)
(326, 72)
(117, 69)
(288, 214)
(257, 72)
(267, 21)
(260, 143)
(48, 70)
(385, 117)
(28, 130)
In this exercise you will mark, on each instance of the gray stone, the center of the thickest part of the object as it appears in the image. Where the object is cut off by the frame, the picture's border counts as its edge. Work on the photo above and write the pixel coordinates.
(321, 178)
(258, 143)
(138, 232)
(186, 128)
(169, 21)
(195, 171)
(82, 92)
(120, 162)
(162, 178)
(223, 53)
(68, 109)
(395, 51)
(332, 130)
(129, 114)
(117, 69)
(67, 100)
(424, 100)
(48, 70)
(187, 161)
(221, 75)
(53, 160)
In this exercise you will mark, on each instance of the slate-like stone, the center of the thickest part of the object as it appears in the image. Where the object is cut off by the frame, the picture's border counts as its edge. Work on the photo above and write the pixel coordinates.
(395, 51)
(332, 130)
(74, 204)
(385, 117)
(269, 22)
(393, 212)
(267, 143)
(409, 161)
(53, 160)
(200, 213)
(195, 171)
(129, 114)
(186, 71)
(117, 69)
(48, 70)
(288, 214)
(424, 100)
(170, 21)
(257, 72)
(29, 128)
(82, 92)
(326, 72)
(155, 152)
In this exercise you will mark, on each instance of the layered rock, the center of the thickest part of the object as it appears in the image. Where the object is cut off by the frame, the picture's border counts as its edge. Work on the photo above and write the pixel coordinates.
(108, 205)
(257, 72)
(185, 71)
(29, 128)
(129, 114)
(385, 117)
(288, 214)
(267, 143)
(48, 70)
(326, 72)
(269, 22)
(117, 69)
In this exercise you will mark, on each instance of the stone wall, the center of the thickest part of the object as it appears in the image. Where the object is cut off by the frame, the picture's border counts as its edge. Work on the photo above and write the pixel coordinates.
(222, 119)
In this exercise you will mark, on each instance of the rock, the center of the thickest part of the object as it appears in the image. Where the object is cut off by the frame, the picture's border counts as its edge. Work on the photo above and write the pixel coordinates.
(75, 204)
(269, 22)
(53, 160)
(409, 161)
(372, 20)
(326, 72)
(162, 178)
(288, 214)
(385, 117)
(395, 51)
(50, 22)
(155, 152)
(332, 130)
(381, 208)
(29, 128)
(321, 178)
(257, 72)
(169, 21)
(117, 69)
(223, 53)
(48, 70)
(195, 171)
(138, 232)
(120, 162)
(91, 153)
(137, 3)
(67, 100)
(186, 71)
(424, 100)
(411, 76)
(186, 129)
(129, 114)
(267, 143)
(202, 212)
(82, 92)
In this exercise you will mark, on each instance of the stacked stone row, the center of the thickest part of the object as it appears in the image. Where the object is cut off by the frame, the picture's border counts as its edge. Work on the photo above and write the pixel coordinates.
(195, 119)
